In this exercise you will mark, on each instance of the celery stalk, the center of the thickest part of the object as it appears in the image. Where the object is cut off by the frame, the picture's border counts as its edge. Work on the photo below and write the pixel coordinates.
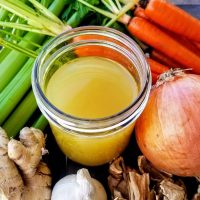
(40, 123)
(3, 14)
(21, 115)
(3, 53)
(15, 90)
(25, 109)
(33, 18)
(18, 38)
(25, 27)
(16, 47)
(15, 60)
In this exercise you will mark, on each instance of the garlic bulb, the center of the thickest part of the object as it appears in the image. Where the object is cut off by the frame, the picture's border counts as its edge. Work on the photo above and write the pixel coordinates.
(80, 186)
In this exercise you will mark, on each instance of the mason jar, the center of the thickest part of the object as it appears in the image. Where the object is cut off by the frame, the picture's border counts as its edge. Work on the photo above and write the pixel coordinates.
(96, 141)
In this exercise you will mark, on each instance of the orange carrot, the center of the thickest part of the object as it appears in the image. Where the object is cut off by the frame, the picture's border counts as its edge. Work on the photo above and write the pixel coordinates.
(158, 39)
(184, 41)
(102, 51)
(163, 59)
(173, 18)
(156, 67)
(139, 12)
(197, 44)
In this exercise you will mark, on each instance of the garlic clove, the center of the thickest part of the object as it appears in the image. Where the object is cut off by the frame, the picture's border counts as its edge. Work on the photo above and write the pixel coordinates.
(100, 193)
(87, 188)
(65, 188)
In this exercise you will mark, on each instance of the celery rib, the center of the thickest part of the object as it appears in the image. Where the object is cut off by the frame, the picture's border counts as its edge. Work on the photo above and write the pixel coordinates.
(101, 11)
(15, 60)
(3, 53)
(18, 48)
(127, 7)
(40, 123)
(15, 90)
(3, 14)
(21, 115)
(26, 27)
(33, 18)
(8, 67)
(44, 11)
(20, 38)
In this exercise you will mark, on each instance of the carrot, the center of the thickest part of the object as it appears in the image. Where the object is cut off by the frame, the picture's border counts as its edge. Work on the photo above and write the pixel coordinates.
(102, 51)
(156, 67)
(163, 59)
(158, 39)
(173, 18)
(139, 12)
(197, 44)
(184, 41)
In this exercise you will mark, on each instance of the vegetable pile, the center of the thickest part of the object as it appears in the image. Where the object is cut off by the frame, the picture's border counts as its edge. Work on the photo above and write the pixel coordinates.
(168, 131)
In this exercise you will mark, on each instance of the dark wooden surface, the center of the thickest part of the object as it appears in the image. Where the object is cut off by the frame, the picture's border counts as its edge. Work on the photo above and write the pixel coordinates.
(60, 166)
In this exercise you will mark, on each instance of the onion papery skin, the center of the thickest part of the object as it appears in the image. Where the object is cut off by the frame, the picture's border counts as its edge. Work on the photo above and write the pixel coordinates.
(168, 130)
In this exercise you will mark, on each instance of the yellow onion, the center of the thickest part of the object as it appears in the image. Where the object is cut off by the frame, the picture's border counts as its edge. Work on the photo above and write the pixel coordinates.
(168, 131)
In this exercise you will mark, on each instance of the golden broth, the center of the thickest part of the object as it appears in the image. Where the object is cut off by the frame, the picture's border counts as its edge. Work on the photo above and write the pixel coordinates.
(92, 88)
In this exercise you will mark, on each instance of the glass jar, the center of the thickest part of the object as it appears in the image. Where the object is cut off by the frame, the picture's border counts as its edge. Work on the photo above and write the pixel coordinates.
(91, 142)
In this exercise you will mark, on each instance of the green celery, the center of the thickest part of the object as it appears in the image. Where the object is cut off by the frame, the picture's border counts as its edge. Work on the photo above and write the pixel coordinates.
(25, 27)
(18, 48)
(116, 14)
(124, 9)
(12, 123)
(15, 60)
(15, 90)
(76, 12)
(46, 12)
(3, 53)
(40, 123)
(21, 115)
(35, 19)
(18, 38)
(101, 11)
(3, 14)
(46, 3)
(74, 20)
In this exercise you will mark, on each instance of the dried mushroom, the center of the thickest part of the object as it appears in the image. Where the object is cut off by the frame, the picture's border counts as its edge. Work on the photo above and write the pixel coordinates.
(172, 191)
(117, 167)
(139, 186)
(146, 167)
(117, 181)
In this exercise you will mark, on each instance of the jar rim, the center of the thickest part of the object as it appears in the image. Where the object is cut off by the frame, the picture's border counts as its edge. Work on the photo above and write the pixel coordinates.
(70, 120)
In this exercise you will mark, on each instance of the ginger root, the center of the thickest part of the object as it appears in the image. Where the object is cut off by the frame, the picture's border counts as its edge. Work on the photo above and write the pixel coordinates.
(11, 184)
(39, 186)
(27, 155)
(27, 152)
